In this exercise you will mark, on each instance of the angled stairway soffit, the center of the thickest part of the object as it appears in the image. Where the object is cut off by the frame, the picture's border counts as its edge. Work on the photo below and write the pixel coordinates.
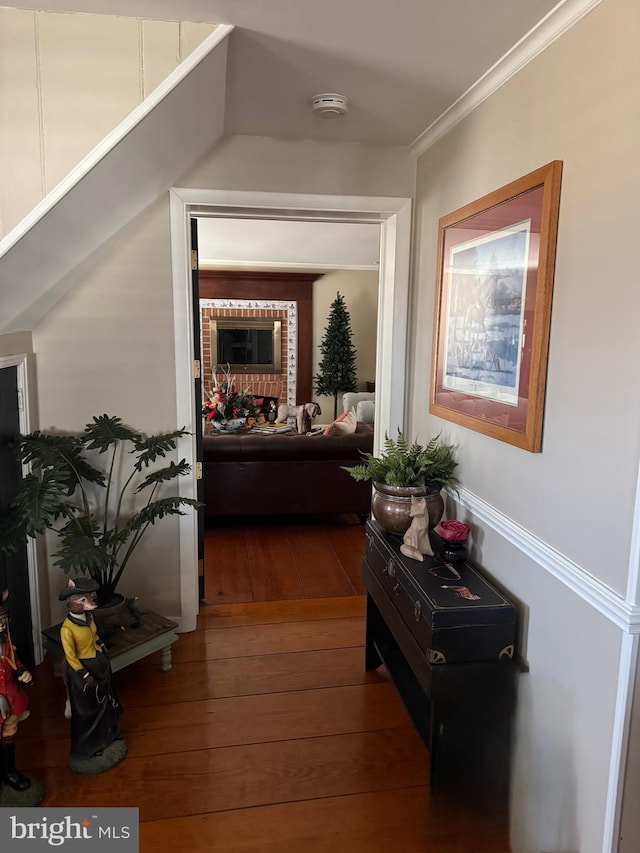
(138, 161)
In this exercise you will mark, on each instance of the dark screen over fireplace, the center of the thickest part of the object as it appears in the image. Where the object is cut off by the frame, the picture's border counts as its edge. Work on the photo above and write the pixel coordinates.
(249, 346)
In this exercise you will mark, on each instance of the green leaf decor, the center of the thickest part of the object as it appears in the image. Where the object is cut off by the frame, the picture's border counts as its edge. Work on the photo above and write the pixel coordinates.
(404, 464)
(85, 504)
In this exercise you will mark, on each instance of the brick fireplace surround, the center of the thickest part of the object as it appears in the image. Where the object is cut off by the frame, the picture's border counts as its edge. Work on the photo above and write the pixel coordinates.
(283, 384)
(283, 296)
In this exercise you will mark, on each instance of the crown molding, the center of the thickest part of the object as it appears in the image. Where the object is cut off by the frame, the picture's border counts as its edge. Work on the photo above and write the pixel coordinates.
(560, 19)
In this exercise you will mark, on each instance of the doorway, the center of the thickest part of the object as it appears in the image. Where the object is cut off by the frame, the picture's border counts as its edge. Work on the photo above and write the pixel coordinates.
(290, 270)
(17, 571)
(393, 215)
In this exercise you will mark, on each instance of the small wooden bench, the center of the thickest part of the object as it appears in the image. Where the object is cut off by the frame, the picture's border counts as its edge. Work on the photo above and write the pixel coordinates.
(154, 633)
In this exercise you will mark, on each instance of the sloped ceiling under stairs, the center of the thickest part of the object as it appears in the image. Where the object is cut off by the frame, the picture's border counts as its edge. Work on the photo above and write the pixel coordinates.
(159, 141)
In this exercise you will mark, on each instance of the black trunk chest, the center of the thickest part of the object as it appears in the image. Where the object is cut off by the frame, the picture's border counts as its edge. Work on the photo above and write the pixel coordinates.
(454, 614)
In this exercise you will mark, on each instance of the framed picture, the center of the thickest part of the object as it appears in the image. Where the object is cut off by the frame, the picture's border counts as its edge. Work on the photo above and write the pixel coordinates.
(492, 315)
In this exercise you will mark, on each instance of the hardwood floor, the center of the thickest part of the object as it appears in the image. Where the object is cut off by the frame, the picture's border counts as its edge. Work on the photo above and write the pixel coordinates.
(267, 735)
(264, 559)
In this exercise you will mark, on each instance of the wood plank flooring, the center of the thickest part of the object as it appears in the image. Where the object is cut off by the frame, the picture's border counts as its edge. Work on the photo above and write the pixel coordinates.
(267, 735)
(283, 559)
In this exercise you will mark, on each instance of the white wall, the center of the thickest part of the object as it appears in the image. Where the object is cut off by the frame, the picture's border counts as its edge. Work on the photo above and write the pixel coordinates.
(15, 344)
(360, 291)
(305, 166)
(66, 80)
(576, 102)
(108, 348)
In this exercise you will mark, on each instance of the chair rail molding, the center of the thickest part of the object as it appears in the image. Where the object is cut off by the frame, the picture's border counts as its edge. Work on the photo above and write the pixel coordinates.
(621, 611)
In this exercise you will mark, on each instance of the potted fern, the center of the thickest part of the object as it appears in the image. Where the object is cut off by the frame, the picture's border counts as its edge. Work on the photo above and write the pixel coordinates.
(94, 510)
(403, 470)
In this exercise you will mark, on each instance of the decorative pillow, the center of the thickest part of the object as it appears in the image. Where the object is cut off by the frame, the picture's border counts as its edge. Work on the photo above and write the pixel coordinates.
(344, 424)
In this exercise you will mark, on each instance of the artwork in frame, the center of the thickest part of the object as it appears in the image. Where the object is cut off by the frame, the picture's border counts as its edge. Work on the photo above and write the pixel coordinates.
(496, 259)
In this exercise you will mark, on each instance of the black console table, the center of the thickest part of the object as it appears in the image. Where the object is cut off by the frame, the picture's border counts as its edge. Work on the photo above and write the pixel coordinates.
(462, 710)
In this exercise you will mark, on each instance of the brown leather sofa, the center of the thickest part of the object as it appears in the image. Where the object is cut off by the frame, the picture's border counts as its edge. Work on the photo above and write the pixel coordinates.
(287, 474)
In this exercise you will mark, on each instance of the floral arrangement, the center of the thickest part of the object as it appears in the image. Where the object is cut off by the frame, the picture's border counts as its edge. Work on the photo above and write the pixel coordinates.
(225, 402)
(453, 531)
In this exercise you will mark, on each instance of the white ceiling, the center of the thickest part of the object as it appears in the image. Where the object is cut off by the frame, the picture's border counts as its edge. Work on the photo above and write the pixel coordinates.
(402, 63)
(411, 69)
(253, 243)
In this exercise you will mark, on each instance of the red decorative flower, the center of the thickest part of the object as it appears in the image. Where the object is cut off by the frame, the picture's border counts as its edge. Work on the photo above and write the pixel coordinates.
(453, 531)
(225, 402)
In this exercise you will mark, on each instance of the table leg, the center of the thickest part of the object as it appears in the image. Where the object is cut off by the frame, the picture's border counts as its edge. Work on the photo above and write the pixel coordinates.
(166, 659)
(372, 658)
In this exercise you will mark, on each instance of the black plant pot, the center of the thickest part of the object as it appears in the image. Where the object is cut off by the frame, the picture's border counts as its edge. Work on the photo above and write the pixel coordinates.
(454, 551)
(110, 617)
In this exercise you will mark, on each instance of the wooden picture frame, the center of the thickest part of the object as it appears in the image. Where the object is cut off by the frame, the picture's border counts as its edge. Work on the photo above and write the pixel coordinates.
(496, 259)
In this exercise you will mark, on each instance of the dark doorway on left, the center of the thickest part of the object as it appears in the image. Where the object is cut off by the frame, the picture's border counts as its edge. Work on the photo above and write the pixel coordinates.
(14, 571)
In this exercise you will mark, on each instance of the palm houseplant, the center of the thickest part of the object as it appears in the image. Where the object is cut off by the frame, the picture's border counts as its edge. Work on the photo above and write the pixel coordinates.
(404, 470)
(100, 514)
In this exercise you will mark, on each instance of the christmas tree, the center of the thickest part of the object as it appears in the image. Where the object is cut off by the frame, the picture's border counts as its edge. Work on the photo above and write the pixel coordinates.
(337, 369)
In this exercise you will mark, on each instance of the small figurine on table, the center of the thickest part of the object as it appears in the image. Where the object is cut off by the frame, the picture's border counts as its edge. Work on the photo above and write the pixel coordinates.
(14, 707)
(136, 609)
(416, 540)
(96, 742)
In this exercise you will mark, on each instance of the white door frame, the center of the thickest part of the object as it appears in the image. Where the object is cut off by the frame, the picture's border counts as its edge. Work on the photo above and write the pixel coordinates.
(20, 361)
(394, 217)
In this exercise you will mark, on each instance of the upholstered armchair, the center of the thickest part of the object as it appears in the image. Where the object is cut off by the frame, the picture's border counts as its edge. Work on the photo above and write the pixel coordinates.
(363, 402)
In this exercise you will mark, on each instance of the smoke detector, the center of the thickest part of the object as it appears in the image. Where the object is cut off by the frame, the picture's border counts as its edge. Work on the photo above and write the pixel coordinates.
(330, 105)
